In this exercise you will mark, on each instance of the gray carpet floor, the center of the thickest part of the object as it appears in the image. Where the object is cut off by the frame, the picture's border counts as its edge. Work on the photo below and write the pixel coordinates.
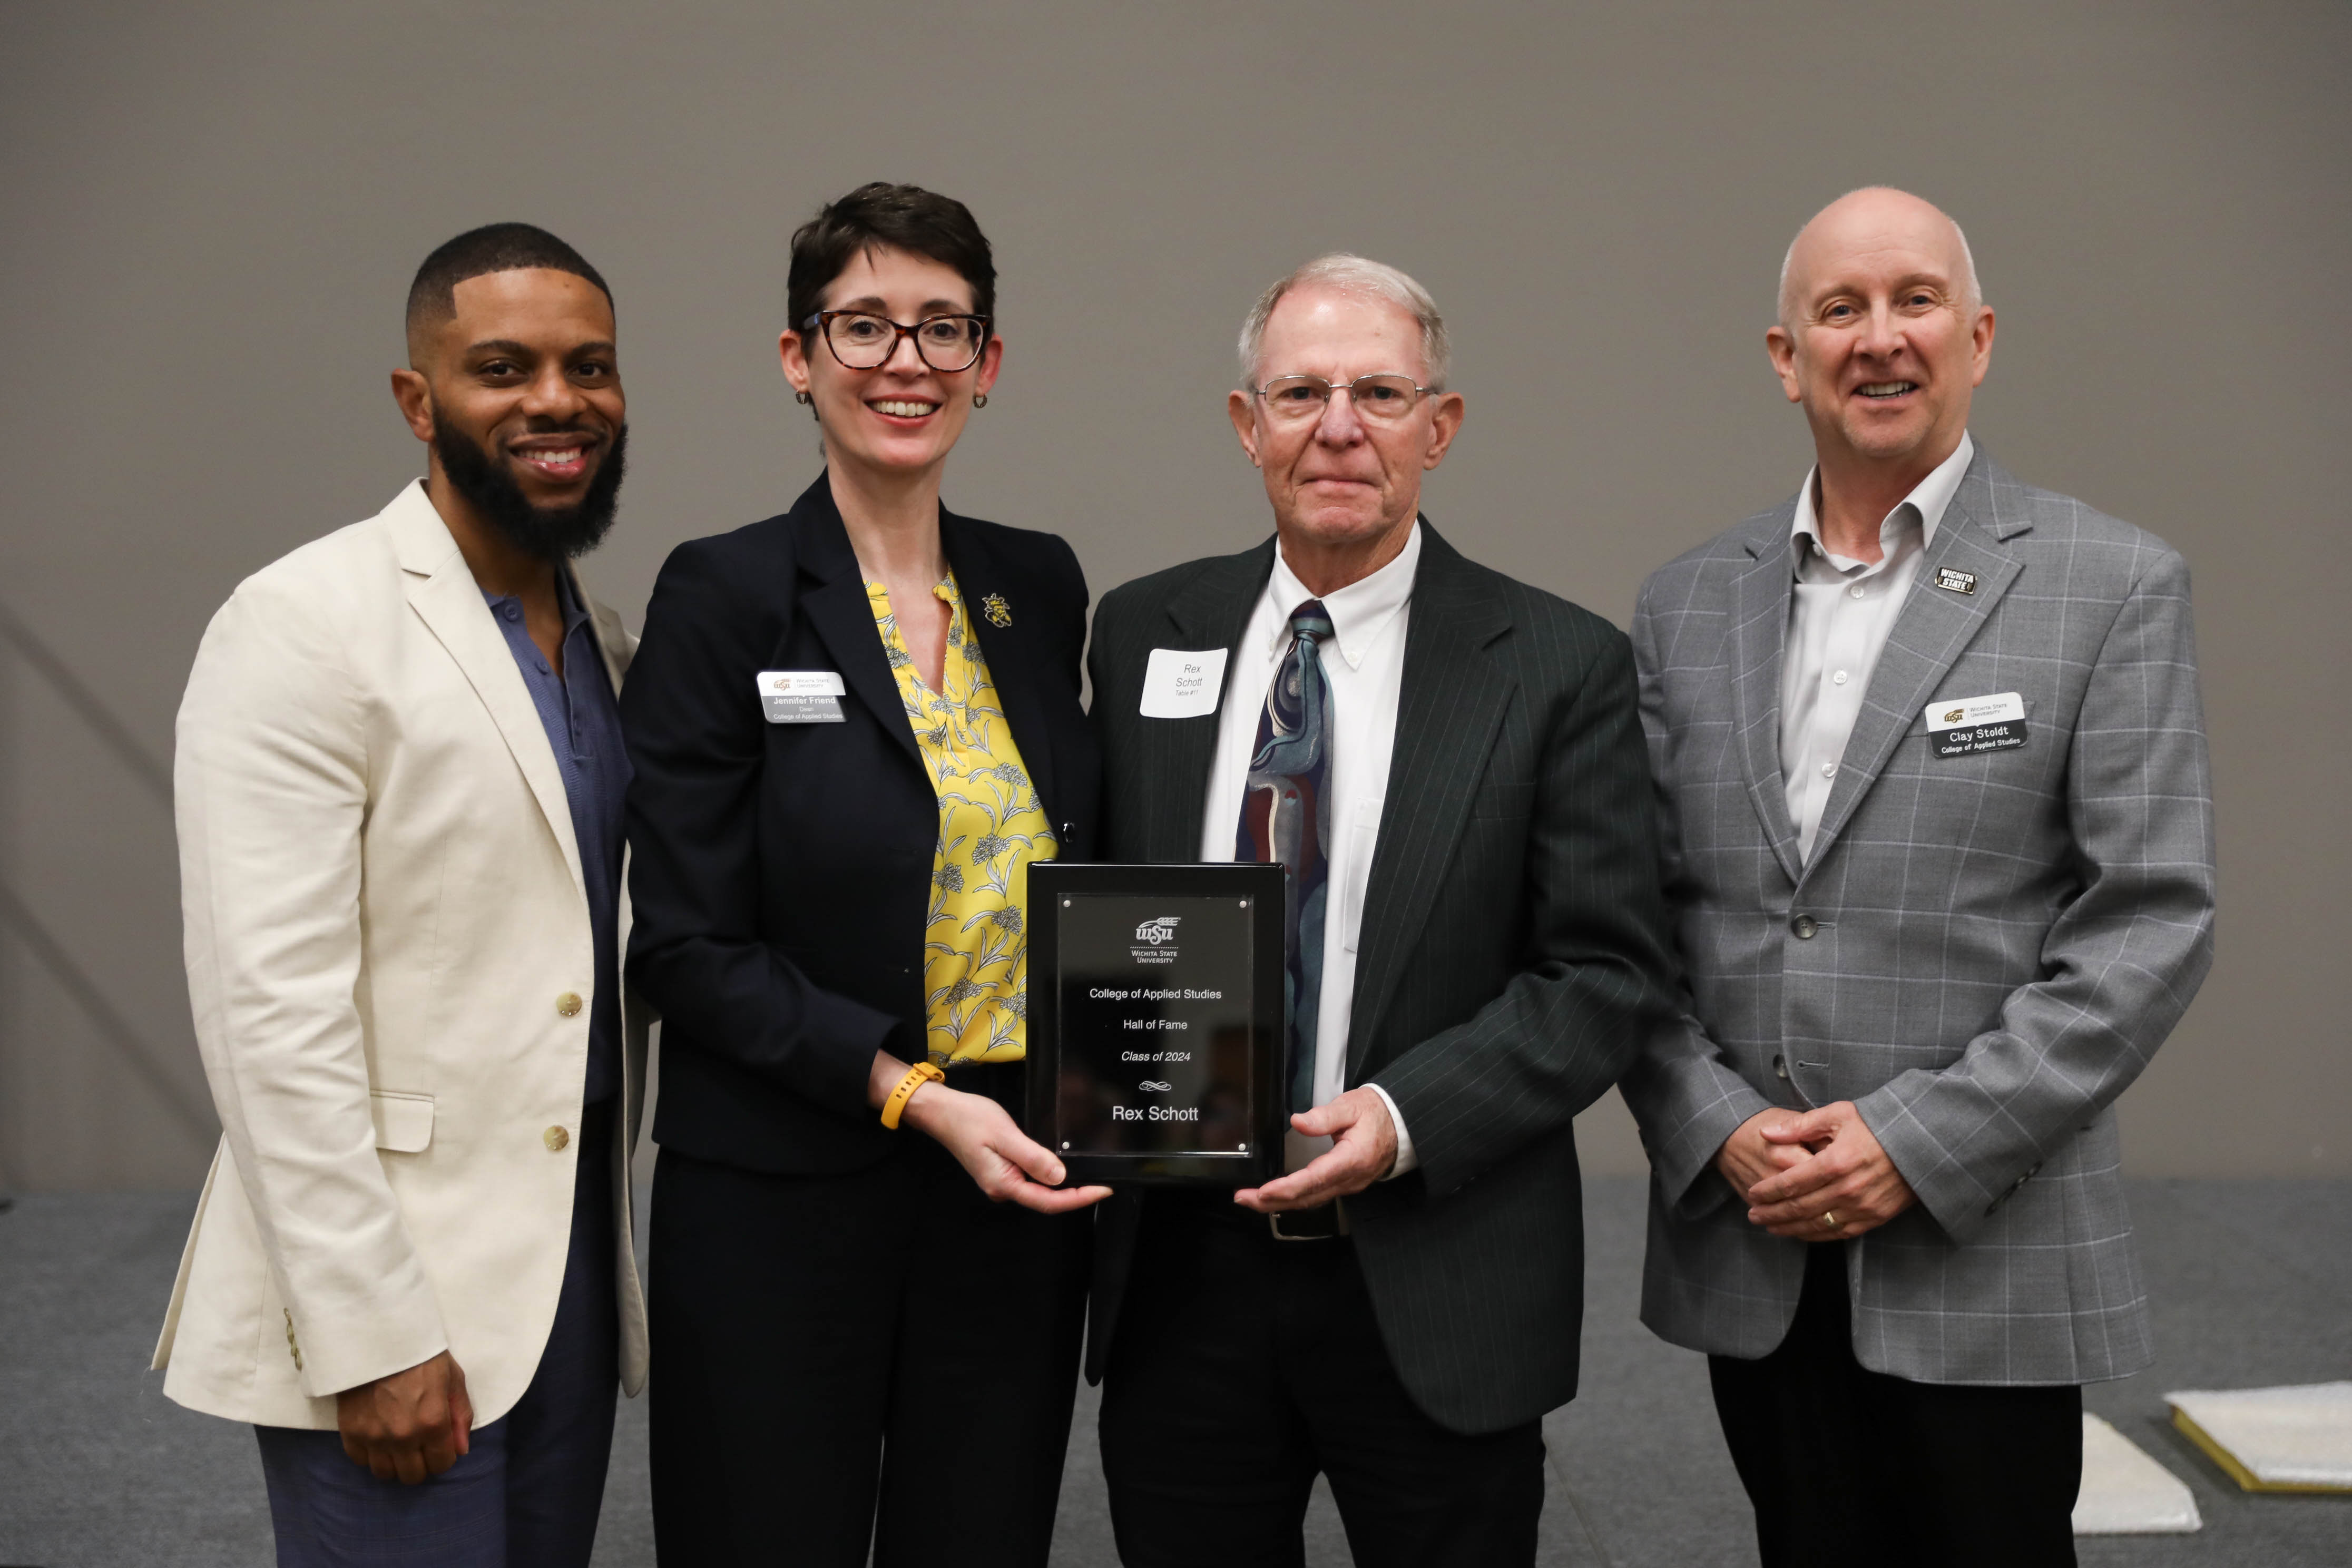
(2253, 1284)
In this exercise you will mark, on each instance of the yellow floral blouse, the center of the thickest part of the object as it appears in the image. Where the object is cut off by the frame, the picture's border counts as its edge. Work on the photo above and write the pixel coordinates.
(975, 938)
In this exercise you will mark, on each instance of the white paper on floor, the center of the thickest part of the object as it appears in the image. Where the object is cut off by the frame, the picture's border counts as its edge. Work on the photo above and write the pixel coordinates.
(2124, 1492)
(2293, 1437)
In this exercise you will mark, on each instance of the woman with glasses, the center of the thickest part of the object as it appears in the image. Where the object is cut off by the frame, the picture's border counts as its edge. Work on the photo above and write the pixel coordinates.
(853, 728)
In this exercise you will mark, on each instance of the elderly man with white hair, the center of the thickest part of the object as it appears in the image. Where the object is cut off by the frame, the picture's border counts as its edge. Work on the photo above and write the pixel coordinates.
(1939, 849)
(1449, 765)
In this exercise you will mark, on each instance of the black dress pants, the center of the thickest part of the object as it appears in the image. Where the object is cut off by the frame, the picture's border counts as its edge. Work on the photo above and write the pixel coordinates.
(1849, 1466)
(1243, 1366)
(882, 1358)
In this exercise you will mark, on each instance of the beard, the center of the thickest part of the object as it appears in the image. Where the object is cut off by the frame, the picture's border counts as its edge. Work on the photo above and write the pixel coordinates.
(554, 533)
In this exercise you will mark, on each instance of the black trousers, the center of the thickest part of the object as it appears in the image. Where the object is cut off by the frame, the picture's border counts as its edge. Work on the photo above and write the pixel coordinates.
(883, 1358)
(1847, 1465)
(1242, 1367)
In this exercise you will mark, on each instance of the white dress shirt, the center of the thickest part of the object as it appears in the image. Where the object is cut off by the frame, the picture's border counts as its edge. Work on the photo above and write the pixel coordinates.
(1365, 669)
(1839, 620)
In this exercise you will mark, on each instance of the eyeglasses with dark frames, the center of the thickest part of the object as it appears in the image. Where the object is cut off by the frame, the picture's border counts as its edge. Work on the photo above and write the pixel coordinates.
(863, 341)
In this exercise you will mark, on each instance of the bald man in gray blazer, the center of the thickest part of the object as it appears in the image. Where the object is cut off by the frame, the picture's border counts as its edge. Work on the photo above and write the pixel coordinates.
(1939, 846)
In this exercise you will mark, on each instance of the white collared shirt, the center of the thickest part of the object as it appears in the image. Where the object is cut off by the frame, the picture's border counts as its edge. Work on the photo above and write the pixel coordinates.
(1839, 620)
(1365, 668)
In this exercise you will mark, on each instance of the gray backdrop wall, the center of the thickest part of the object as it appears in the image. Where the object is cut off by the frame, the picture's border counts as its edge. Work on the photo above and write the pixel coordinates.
(212, 214)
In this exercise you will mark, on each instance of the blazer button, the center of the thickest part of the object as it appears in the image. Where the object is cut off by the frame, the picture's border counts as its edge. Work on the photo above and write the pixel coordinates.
(568, 1004)
(555, 1138)
(1804, 926)
(1780, 1068)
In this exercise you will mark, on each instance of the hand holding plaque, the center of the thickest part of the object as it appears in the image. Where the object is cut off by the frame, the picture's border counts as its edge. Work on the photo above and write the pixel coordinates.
(1363, 1151)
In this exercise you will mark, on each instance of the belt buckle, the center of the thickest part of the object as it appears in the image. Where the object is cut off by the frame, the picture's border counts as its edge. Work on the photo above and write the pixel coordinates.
(1339, 1219)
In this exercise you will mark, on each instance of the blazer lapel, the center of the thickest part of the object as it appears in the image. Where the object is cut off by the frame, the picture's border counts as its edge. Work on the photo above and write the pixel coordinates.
(836, 605)
(1211, 610)
(1449, 709)
(442, 591)
(1759, 637)
(1934, 625)
(1012, 668)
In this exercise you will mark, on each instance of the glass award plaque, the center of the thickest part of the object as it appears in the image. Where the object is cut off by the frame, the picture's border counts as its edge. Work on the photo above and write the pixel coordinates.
(1155, 1022)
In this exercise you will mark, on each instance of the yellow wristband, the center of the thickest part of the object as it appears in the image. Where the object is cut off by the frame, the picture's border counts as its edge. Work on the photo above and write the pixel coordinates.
(916, 1076)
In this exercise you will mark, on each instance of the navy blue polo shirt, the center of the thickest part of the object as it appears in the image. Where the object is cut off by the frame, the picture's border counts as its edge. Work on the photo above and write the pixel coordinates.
(583, 726)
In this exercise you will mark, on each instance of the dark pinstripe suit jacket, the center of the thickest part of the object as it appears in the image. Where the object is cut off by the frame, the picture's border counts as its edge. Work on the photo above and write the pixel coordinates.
(1513, 945)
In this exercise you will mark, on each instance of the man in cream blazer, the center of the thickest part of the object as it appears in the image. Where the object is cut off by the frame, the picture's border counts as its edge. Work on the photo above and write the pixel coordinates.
(399, 786)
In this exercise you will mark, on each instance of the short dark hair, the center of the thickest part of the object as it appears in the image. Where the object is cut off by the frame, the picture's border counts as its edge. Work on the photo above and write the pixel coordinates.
(900, 217)
(493, 248)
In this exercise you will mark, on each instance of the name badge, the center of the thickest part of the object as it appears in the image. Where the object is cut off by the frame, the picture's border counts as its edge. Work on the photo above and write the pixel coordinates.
(1180, 685)
(801, 695)
(1973, 724)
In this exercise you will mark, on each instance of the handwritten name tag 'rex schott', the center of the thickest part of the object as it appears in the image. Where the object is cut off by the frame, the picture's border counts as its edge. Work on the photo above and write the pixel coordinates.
(1180, 685)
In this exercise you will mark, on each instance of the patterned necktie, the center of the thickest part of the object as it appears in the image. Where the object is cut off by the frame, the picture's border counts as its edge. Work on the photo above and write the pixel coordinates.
(1287, 817)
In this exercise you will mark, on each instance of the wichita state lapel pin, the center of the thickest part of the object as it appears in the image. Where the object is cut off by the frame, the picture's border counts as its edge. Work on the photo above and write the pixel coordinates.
(1956, 581)
(999, 613)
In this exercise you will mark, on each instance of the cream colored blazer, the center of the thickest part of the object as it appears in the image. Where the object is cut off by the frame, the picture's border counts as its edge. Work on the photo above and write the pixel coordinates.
(393, 972)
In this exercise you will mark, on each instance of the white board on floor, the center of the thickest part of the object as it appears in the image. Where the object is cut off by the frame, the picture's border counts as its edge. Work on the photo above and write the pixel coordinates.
(2125, 1492)
(2292, 1439)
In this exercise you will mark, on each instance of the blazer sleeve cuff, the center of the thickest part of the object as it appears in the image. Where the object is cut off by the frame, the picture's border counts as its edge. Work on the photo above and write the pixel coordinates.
(1953, 1197)
(1685, 1166)
(852, 1033)
(345, 1338)
(1686, 1101)
(1406, 1159)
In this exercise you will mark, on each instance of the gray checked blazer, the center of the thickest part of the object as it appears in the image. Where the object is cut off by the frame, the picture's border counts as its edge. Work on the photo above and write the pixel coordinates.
(1513, 952)
(1982, 953)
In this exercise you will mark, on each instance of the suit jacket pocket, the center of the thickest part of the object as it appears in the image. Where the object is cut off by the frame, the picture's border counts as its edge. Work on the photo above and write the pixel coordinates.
(404, 1122)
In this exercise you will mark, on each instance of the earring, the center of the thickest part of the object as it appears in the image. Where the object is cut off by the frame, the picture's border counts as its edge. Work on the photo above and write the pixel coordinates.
(802, 397)
(980, 400)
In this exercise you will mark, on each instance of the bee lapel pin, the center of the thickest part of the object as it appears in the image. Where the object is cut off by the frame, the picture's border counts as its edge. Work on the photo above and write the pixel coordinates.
(999, 613)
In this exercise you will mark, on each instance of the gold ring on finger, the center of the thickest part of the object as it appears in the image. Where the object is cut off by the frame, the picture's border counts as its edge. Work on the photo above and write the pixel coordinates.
(1830, 1218)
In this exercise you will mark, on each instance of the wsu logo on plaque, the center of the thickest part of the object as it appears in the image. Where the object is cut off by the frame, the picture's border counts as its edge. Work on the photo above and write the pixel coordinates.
(1156, 934)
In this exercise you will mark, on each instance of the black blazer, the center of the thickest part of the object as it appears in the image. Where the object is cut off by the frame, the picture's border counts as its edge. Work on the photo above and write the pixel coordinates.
(780, 873)
(1513, 949)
